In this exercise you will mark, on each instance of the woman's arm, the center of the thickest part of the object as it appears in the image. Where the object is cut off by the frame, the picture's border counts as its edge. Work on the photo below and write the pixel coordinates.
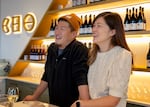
(106, 101)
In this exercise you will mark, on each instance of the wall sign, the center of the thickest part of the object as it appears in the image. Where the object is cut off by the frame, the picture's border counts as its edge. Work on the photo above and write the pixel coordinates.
(17, 23)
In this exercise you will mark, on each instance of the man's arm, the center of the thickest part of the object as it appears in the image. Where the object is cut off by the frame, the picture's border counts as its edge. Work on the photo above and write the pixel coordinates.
(83, 92)
(40, 89)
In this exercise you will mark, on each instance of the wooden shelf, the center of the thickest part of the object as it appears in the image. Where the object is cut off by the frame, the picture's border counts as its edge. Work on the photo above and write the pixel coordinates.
(41, 38)
(137, 34)
(127, 33)
(141, 69)
(103, 5)
(31, 61)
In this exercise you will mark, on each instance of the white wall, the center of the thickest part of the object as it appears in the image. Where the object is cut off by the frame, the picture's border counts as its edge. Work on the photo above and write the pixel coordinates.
(0, 27)
(11, 46)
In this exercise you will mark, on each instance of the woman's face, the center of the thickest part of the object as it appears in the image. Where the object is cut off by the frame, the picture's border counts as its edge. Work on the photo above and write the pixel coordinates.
(102, 34)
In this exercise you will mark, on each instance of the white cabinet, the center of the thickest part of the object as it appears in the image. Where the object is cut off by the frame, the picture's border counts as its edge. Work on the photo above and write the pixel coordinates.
(26, 89)
(2, 86)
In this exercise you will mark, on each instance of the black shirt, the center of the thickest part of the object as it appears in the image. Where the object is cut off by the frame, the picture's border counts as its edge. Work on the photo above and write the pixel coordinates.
(65, 72)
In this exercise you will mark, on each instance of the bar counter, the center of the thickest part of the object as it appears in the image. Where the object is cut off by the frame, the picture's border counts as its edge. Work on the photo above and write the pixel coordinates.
(29, 104)
(138, 92)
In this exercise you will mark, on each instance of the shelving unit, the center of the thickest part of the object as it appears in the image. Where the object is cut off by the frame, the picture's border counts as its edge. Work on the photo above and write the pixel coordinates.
(52, 12)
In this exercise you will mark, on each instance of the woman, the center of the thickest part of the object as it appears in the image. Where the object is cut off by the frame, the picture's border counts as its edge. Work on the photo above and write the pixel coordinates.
(110, 61)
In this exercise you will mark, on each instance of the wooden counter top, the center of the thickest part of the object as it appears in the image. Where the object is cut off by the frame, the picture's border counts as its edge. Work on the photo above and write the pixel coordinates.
(37, 81)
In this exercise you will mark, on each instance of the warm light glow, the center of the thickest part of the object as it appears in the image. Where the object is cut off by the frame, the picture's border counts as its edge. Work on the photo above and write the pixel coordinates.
(35, 65)
(30, 22)
(84, 39)
(17, 23)
(6, 25)
(139, 47)
(47, 42)
(140, 73)
(138, 40)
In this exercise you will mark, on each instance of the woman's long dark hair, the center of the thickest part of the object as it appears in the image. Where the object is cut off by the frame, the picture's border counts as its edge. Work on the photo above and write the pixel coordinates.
(114, 21)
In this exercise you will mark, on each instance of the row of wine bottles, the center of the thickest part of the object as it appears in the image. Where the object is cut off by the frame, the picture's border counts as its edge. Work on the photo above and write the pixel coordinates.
(135, 19)
(88, 45)
(78, 2)
(83, 2)
(85, 28)
(39, 52)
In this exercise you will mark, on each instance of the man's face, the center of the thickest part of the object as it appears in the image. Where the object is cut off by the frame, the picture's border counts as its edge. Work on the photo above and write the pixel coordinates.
(63, 34)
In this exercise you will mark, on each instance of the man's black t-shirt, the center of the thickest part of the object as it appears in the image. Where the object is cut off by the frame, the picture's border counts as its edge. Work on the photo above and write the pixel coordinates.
(65, 72)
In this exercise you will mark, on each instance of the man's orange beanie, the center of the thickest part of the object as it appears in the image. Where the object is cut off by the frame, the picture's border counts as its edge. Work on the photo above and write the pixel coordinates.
(74, 20)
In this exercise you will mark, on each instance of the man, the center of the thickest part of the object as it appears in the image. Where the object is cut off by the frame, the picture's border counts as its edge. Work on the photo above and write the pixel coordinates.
(66, 66)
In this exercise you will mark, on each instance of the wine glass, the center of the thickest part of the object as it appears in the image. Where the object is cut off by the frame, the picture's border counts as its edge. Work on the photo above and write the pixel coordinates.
(13, 94)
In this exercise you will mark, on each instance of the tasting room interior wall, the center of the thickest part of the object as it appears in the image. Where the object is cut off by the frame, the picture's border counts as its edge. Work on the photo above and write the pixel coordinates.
(11, 46)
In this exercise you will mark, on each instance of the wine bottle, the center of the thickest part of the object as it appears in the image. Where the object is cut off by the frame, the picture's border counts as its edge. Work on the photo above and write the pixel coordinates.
(136, 13)
(127, 21)
(133, 21)
(85, 25)
(89, 25)
(83, 2)
(52, 29)
(31, 52)
(78, 2)
(82, 26)
(91, 1)
(144, 19)
(140, 20)
(43, 53)
(55, 24)
(74, 3)
(89, 45)
(148, 57)
(96, 0)
(38, 54)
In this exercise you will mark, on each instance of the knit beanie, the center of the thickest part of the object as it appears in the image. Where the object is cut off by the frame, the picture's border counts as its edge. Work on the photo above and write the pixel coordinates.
(74, 20)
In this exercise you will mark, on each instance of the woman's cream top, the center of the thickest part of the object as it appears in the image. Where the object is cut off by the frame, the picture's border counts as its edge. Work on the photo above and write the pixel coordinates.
(109, 74)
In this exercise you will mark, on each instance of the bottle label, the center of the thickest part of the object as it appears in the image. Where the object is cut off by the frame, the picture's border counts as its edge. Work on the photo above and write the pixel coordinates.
(83, 2)
(144, 26)
(81, 31)
(126, 27)
(89, 30)
(34, 57)
(78, 2)
(140, 26)
(133, 26)
(91, 1)
(74, 3)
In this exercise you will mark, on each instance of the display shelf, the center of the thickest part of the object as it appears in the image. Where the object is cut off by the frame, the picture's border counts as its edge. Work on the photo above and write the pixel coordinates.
(53, 12)
(127, 33)
(141, 69)
(42, 37)
(137, 34)
(103, 5)
(31, 61)
(18, 68)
